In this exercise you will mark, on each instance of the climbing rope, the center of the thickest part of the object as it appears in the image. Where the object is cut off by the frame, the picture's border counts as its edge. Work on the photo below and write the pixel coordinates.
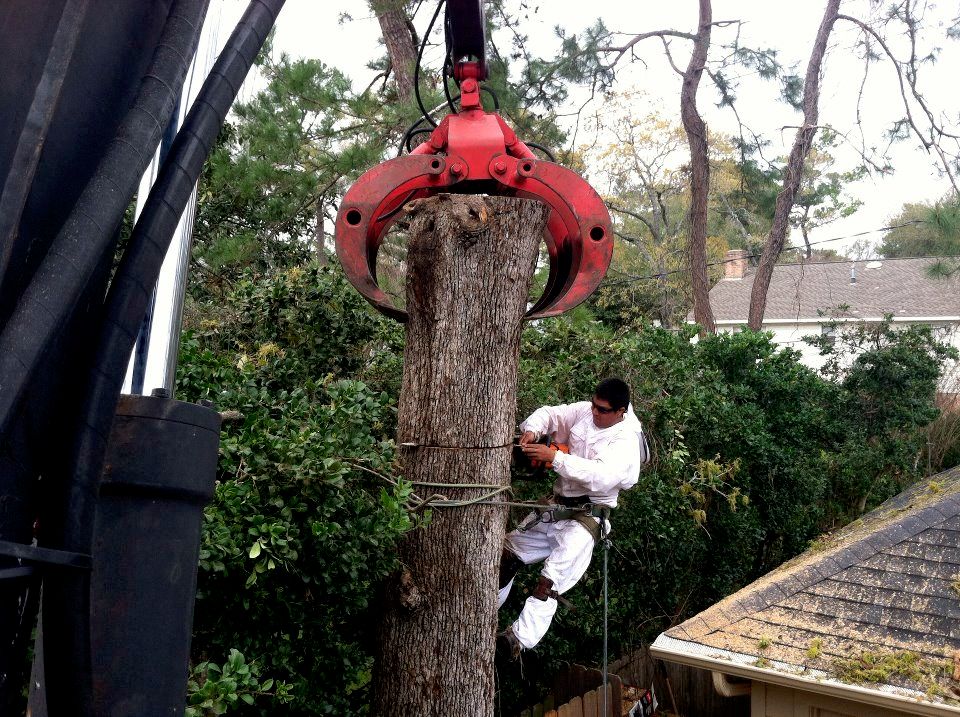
(605, 542)
(440, 500)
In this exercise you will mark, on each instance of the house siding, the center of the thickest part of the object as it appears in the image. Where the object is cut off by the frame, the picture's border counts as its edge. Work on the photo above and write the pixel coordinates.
(768, 700)
(790, 335)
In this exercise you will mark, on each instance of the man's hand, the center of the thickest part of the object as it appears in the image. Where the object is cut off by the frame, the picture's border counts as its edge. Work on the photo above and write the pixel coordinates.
(528, 437)
(538, 451)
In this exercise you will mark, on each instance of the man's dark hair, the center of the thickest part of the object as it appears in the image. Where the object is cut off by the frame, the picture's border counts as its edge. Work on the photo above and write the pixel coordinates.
(613, 391)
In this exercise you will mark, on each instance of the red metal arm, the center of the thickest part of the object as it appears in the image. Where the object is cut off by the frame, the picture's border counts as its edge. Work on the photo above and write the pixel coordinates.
(476, 152)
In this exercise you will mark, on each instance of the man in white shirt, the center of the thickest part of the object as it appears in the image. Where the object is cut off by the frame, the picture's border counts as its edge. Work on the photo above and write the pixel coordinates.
(607, 450)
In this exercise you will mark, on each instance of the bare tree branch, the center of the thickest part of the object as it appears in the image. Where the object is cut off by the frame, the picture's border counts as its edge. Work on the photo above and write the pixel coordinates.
(794, 169)
(936, 130)
(699, 171)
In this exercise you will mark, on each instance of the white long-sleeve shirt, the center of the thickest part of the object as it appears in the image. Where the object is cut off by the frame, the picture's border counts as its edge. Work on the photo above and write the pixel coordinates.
(602, 461)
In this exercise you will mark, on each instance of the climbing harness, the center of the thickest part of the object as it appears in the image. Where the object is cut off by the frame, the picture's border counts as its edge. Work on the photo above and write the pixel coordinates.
(583, 514)
(473, 151)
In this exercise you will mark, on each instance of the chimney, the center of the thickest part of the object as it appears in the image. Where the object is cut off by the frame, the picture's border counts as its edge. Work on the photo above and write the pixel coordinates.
(735, 264)
(853, 273)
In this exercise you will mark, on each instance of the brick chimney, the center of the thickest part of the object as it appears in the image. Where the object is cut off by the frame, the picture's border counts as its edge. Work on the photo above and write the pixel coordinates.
(735, 264)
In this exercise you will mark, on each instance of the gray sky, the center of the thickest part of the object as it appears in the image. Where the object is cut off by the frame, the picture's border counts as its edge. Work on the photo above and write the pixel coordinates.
(311, 28)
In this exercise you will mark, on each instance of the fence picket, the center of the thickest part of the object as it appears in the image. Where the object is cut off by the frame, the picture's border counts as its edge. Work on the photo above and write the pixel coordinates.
(591, 704)
(561, 684)
(576, 707)
(615, 701)
(578, 692)
(578, 679)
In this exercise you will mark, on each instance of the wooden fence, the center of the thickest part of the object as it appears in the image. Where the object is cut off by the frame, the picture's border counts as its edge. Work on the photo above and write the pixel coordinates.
(680, 690)
(578, 692)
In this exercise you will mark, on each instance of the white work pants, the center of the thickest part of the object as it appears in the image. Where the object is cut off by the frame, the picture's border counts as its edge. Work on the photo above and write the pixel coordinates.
(566, 548)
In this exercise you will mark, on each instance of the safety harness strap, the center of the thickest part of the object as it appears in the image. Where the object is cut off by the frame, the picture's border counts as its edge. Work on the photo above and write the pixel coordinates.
(587, 521)
(583, 514)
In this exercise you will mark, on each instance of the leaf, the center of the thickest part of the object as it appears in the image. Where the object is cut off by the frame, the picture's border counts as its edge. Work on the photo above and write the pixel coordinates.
(255, 549)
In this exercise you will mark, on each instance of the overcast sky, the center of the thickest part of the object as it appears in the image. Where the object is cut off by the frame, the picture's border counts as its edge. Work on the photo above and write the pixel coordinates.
(311, 28)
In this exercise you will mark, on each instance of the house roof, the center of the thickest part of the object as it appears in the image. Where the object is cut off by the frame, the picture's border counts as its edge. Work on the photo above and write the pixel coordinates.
(883, 585)
(901, 287)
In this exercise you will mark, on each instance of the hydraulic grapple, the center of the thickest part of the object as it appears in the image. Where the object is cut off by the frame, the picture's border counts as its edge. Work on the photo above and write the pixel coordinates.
(475, 152)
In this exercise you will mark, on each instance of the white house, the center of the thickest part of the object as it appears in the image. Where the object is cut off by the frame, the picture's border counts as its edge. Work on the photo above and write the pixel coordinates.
(804, 298)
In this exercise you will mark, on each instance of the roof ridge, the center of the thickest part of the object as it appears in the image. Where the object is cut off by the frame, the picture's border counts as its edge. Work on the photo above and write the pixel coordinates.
(867, 261)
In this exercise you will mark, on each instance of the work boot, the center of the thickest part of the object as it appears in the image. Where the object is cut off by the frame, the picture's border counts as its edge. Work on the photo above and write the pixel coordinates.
(508, 645)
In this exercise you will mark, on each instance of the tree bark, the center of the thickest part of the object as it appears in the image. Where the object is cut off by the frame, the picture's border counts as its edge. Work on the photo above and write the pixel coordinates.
(794, 170)
(699, 171)
(395, 26)
(469, 264)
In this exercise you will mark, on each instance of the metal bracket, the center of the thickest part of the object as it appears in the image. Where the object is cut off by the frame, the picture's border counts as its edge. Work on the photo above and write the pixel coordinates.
(46, 557)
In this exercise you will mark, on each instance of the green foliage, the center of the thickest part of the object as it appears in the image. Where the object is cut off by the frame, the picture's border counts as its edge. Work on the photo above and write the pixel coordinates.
(215, 689)
(754, 456)
(896, 667)
(888, 377)
(280, 164)
(298, 534)
(822, 196)
(930, 230)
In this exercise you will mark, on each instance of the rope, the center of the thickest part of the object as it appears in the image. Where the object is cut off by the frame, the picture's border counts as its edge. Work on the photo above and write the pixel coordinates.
(454, 448)
(439, 500)
(606, 551)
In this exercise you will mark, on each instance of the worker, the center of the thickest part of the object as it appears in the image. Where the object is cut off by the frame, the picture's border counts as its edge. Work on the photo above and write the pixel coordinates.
(606, 451)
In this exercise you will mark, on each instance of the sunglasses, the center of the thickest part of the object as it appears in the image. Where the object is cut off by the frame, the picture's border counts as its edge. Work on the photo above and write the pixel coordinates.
(601, 409)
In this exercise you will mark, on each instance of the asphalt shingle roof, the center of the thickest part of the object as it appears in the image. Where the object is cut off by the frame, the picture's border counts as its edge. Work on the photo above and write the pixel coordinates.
(901, 287)
(885, 583)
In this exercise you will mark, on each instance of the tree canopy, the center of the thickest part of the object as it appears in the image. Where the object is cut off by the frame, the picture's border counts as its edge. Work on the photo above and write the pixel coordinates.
(924, 229)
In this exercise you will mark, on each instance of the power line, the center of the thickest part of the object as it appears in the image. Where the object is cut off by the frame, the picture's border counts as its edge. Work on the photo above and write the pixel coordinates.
(662, 274)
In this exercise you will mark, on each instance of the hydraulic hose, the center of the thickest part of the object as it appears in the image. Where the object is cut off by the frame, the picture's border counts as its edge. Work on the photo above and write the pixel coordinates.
(23, 167)
(73, 259)
(131, 289)
(58, 284)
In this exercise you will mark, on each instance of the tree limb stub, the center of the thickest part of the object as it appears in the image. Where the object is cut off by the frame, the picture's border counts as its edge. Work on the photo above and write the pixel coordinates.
(470, 260)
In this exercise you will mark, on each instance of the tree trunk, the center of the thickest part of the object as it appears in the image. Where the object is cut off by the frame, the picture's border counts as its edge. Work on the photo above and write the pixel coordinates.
(469, 265)
(395, 27)
(699, 171)
(794, 171)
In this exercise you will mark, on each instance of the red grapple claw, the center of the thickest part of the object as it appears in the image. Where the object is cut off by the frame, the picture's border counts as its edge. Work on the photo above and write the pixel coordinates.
(480, 155)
